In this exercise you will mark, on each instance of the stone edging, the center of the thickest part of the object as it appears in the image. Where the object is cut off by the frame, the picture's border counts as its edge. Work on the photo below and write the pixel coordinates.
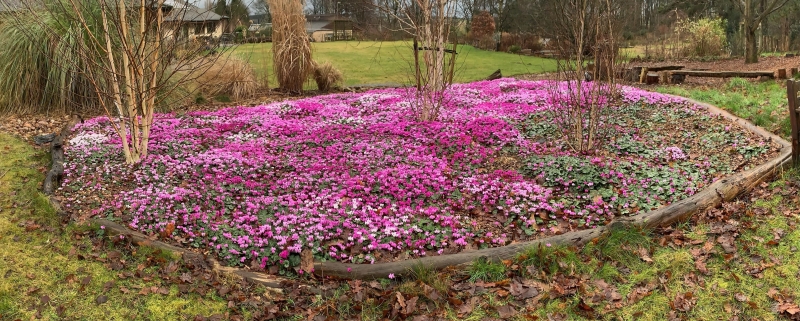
(725, 189)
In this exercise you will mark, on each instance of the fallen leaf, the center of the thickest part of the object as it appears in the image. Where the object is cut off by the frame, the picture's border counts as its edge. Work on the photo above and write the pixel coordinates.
(307, 260)
(727, 243)
(522, 292)
(506, 311)
(171, 268)
(411, 306)
(101, 299)
(644, 255)
(468, 306)
(431, 293)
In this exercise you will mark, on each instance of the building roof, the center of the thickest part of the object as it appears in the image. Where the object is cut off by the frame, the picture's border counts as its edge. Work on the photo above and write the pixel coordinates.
(187, 12)
(325, 17)
(15, 5)
(318, 22)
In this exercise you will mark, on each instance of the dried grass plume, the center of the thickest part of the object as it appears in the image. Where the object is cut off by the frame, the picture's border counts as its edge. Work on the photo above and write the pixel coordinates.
(291, 49)
(230, 76)
(327, 77)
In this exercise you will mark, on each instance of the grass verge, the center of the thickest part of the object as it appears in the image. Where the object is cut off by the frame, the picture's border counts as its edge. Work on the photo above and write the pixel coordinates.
(51, 271)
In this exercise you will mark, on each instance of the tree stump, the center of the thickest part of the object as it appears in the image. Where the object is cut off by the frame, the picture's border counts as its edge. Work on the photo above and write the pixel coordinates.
(781, 73)
(495, 75)
(652, 78)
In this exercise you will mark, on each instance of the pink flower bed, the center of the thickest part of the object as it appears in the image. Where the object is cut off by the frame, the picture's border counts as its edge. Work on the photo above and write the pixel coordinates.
(353, 177)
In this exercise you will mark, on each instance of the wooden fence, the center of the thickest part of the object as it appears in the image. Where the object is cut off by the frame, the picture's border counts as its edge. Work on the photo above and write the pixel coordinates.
(792, 89)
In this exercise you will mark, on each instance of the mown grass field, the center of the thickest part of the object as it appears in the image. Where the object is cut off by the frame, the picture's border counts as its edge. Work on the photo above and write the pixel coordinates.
(371, 63)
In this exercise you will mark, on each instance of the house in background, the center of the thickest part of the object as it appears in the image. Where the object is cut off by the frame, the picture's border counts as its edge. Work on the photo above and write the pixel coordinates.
(259, 23)
(329, 27)
(189, 21)
(9, 7)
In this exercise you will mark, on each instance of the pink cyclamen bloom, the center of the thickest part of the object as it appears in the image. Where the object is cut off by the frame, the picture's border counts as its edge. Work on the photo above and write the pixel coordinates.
(391, 275)
(284, 254)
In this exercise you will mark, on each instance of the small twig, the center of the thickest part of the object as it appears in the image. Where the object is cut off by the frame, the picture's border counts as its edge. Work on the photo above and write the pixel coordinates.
(4, 173)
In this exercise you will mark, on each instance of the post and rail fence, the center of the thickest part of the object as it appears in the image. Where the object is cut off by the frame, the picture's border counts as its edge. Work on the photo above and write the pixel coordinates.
(792, 91)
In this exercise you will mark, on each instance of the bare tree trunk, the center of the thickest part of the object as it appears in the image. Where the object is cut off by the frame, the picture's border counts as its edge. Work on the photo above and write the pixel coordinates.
(751, 47)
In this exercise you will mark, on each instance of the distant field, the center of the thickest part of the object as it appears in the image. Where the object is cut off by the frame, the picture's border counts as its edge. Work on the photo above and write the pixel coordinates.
(367, 62)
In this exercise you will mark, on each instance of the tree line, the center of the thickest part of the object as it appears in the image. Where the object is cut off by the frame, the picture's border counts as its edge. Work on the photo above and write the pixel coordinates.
(751, 26)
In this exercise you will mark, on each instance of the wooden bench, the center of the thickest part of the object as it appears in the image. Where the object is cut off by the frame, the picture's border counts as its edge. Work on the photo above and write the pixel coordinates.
(678, 76)
(648, 75)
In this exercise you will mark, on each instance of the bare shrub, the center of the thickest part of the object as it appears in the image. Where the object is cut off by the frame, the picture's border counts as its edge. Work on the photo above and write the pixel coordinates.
(291, 49)
(705, 37)
(327, 77)
(580, 104)
(429, 21)
(481, 30)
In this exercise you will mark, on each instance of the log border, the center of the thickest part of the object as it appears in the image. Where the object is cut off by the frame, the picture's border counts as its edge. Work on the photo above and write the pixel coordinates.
(725, 189)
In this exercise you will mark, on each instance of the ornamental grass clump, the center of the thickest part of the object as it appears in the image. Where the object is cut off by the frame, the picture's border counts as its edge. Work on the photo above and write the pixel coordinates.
(291, 49)
(228, 76)
(327, 77)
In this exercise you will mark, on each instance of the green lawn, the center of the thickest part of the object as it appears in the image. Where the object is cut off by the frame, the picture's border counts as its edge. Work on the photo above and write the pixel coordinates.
(763, 103)
(54, 272)
(367, 62)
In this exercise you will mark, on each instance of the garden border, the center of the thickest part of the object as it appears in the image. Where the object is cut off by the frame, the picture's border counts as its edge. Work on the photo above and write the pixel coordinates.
(725, 189)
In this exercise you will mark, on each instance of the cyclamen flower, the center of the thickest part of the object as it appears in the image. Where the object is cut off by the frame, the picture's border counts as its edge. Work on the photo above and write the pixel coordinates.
(351, 175)
(391, 276)
(675, 153)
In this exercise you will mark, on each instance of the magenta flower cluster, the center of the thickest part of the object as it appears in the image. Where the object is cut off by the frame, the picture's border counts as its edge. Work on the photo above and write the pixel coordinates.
(348, 176)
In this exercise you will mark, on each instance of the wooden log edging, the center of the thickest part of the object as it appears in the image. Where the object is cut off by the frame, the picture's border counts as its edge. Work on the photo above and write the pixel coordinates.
(725, 189)
(53, 178)
(722, 190)
(115, 229)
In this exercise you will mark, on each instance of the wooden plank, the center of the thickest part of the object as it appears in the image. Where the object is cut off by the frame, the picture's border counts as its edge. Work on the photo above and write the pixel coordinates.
(781, 73)
(791, 93)
(724, 74)
(662, 68)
